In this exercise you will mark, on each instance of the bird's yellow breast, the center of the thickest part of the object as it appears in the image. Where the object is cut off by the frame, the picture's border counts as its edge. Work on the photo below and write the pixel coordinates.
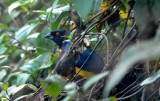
(84, 73)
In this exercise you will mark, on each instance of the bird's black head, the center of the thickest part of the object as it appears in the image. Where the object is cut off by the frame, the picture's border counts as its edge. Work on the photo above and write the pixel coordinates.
(57, 36)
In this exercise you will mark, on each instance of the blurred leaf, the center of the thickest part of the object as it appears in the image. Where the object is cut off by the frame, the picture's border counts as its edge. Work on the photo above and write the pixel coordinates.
(17, 4)
(11, 76)
(22, 78)
(15, 89)
(25, 8)
(32, 87)
(125, 2)
(24, 31)
(57, 79)
(53, 89)
(43, 42)
(35, 21)
(151, 79)
(49, 15)
(141, 13)
(57, 83)
(2, 26)
(3, 74)
(37, 64)
(66, 1)
(97, 6)
(58, 10)
(21, 98)
(157, 37)
(93, 80)
(137, 53)
(32, 2)
(6, 86)
(156, 8)
(1, 85)
(71, 91)
(84, 10)
(39, 12)
(54, 4)
(56, 23)
(2, 49)
(4, 39)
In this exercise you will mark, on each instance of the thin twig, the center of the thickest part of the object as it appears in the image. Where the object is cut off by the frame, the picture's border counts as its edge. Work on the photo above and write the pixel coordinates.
(65, 22)
(130, 85)
(90, 27)
(13, 19)
(152, 94)
(29, 44)
(125, 26)
(107, 43)
(123, 98)
(112, 57)
(102, 11)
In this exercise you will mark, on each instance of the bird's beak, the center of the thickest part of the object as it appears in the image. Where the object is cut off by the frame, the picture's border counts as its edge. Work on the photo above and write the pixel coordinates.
(49, 36)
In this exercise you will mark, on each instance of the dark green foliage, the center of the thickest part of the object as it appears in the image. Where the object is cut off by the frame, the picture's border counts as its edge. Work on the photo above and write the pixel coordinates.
(27, 58)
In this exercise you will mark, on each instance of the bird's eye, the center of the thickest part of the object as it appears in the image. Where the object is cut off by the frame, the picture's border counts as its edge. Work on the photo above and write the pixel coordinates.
(57, 33)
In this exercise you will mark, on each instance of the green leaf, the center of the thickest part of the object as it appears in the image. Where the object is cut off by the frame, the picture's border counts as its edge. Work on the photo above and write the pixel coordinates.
(2, 26)
(39, 12)
(2, 49)
(151, 79)
(125, 2)
(37, 64)
(21, 98)
(32, 2)
(58, 10)
(3, 74)
(12, 76)
(32, 87)
(4, 39)
(83, 7)
(17, 4)
(136, 53)
(1, 85)
(71, 91)
(97, 6)
(15, 89)
(22, 78)
(54, 4)
(53, 89)
(57, 79)
(3, 94)
(43, 42)
(56, 23)
(6, 86)
(49, 15)
(24, 31)
(93, 80)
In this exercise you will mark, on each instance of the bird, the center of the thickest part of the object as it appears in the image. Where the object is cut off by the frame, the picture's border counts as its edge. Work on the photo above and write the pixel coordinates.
(93, 66)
